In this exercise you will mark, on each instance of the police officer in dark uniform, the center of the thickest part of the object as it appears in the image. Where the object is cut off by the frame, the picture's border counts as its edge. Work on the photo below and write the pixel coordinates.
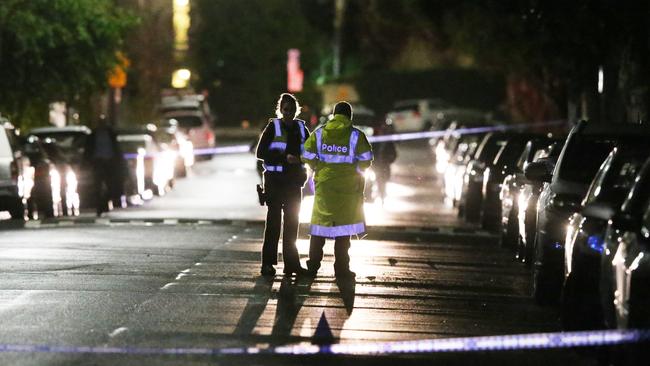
(280, 148)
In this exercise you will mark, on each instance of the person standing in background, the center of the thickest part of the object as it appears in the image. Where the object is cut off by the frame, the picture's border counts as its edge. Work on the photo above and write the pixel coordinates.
(103, 154)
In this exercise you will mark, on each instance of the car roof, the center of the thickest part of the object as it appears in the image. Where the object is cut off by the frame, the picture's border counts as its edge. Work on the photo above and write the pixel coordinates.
(357, 109)
(182, 113)
(404, 102)
(75, 128)
(612, 129)
(134, 137)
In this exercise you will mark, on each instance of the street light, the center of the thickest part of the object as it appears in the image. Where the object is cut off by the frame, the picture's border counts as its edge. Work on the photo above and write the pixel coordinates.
(181, 78)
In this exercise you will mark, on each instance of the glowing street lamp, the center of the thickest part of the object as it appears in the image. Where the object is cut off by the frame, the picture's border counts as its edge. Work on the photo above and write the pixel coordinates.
(181, 78)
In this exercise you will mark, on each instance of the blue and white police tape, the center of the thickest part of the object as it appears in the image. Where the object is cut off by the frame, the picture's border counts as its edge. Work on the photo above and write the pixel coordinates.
(236, 149)
(553, 340)
(462, 131)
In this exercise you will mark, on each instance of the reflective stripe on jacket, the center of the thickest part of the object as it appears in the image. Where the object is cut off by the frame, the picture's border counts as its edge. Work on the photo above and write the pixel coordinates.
(338, 153)
(280, 142)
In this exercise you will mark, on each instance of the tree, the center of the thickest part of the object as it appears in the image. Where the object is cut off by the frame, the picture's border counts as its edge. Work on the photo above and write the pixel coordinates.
(552, 51)
(55, 50)
(150, 48)
(239, 50)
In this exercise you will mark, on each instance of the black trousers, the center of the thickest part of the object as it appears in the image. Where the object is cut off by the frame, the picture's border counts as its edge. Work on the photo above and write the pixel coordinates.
(106, 183)
(341, 256)
(281, 198)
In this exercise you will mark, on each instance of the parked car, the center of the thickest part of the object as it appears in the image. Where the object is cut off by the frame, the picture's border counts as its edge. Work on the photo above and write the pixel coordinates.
(584, 239)
(528, 198)
(624, 283)
(196, 129)
(71, 142)
(586, 147)
(170, 139)
(455, 170)
(445, 145)
(151, 170)
(55, 183)
(472, 191)
(16, 173)
(512, 186)
(504, 163)
(417, 115)
(191, 115)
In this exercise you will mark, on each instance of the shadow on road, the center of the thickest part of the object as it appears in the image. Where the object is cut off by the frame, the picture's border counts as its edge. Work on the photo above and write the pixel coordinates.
(255, 306)
(347, 290)
(292, 296)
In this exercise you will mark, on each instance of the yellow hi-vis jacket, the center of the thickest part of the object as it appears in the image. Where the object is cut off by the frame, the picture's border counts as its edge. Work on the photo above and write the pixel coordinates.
(338, 153)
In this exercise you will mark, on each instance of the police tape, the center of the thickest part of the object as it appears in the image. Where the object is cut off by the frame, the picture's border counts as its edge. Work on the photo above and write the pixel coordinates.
(539, 341)
(237, 149)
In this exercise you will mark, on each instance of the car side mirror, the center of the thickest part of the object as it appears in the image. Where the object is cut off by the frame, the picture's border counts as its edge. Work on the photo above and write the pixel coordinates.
(538, 172)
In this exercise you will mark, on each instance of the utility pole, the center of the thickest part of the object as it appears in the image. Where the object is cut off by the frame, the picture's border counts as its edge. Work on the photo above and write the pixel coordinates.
(339, 11)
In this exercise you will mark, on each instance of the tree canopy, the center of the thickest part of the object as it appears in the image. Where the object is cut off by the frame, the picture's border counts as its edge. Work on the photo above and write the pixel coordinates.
(239, 50)
(56, 50)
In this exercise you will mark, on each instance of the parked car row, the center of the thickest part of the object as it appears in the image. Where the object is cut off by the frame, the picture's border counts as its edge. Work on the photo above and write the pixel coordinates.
(44, 174)
(574, 209)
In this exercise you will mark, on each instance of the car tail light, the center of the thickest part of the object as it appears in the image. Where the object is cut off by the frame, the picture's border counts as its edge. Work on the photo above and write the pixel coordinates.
(209, 135)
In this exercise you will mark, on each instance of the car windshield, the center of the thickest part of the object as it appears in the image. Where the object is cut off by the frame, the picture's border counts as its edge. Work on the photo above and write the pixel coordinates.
(511, 152)
(71, 143)
(582, 158)
(406, 108)
(615, 178)
(188, 121)
(490, 148)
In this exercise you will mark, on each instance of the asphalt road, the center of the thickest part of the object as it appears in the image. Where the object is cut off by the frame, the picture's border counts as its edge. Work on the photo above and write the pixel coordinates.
(182, 271)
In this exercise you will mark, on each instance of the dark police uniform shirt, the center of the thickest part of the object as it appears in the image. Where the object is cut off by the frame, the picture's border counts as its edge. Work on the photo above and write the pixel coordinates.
(292, 173)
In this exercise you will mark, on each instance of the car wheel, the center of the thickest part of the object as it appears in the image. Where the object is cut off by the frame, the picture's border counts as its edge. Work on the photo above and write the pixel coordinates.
(472, 208)
(48, 209)
(17, 212)
(510, 233)
(570, 309)
(580, 304)
(541, 288)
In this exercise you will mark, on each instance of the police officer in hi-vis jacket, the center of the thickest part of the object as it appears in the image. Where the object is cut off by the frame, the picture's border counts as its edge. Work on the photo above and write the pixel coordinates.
(338, 153)
(280, 148)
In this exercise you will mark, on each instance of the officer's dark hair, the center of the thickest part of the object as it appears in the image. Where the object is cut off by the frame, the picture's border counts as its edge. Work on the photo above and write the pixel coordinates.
(286, 98)
(343, 108)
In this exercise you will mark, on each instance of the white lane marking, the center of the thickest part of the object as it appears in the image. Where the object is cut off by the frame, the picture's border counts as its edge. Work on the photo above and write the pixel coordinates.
(118, 331)
(169, 285)
(183, 274)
